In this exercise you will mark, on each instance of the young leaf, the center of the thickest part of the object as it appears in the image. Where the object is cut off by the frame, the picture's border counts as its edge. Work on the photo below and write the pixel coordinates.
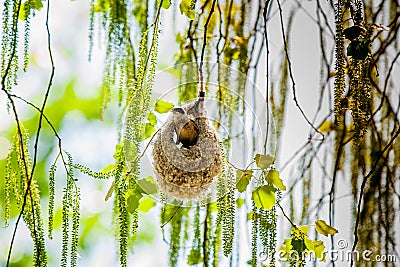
(243, 179)
(147, 185)
(264, 197)
(317, 246)
(324, 229)
(187, 8)
(264, 161)
(148, 130)
(25, 10)
(239, 202)
(162, 106)
(119, 150)
(251, 216)
(102, 6)
(274, 179)
(152, 119)
(146, 204)
(213, 206)
(303, 229)
(165, 3)
(132, 200)
(286, 248)
(194, 257)
(109, 168)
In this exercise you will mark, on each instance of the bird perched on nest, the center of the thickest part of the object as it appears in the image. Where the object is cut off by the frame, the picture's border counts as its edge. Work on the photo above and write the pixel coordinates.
(186, 129)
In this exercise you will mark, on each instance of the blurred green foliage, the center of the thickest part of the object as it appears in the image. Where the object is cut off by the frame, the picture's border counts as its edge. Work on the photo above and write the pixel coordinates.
(63, 103)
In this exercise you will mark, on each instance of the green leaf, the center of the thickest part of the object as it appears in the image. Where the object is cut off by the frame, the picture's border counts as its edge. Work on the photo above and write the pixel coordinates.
(317, 246)
(147, 185)
(25, 11)
(187, 8)
(264, 197)
(213, 206)
(194, 257)
(132, 200)
(162, 106)
(109, 168)
(239, 202)
(38, 4)
(324, 229)
(251, 216)
(303, 229)
(146, 203)
(286, 247)
(148, 130)
(165, 3)
(118, 154)
(288, 244)
(243, 179)
(274, 179)
(102, 6)
(309, 243)
(264, 161)
(152, 119)
(139, 12)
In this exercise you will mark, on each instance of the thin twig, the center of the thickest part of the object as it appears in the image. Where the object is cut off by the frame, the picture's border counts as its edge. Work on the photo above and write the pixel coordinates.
(19, 131)
(36, 143)
(291, 74)
(38, 109)
(204, 46)
(364, 182)
(170, 218)
(284, 214)
(266, 39)
(336, 168)
(155, 25)
(386, 84)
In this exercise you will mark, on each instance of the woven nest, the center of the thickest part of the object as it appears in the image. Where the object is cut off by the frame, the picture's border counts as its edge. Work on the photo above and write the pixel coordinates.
(186, 173)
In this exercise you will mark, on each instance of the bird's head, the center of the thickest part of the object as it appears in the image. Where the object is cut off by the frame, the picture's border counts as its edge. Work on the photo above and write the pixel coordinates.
(179, 115)
(178, 111)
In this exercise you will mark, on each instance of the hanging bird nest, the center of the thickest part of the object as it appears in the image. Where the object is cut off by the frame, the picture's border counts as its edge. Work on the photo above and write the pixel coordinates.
(186, 172)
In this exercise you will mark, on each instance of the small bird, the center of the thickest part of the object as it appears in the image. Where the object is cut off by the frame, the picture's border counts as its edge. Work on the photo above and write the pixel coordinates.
(186, 129)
